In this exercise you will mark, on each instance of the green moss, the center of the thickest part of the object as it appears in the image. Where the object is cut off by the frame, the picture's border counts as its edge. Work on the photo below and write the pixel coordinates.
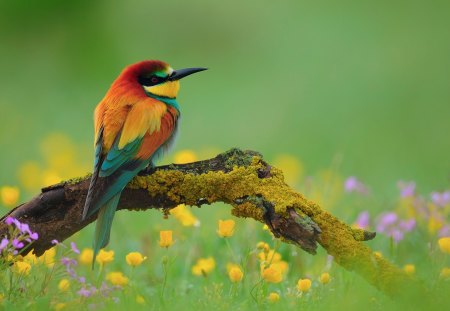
(77, 180)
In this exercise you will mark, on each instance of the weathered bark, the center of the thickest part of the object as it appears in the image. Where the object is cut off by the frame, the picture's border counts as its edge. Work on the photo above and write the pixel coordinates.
(240, 178)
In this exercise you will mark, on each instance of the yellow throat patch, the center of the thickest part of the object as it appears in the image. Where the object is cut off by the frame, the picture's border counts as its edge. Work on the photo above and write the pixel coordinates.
(167, 89)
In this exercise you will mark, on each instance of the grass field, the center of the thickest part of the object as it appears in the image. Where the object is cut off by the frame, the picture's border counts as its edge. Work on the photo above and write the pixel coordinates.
(211, 260)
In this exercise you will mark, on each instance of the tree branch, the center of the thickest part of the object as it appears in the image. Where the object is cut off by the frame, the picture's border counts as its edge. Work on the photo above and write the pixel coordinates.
(240, 178)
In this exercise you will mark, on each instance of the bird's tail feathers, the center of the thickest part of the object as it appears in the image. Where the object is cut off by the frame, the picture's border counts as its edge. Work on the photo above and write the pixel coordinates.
(103, 225)
(87, 211)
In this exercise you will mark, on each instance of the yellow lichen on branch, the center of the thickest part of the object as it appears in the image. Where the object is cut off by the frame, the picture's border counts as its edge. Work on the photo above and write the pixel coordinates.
(226, 187)
(340, 240)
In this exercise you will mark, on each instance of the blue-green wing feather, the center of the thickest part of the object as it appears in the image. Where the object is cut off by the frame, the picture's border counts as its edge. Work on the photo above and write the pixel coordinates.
(112, 172)
(116, 158)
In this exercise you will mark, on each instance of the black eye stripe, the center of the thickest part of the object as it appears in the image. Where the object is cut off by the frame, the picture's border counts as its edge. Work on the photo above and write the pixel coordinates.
(150, 81)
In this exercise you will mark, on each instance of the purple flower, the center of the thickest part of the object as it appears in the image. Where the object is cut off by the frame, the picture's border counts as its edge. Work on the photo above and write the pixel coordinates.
(85, 292)
(24, 228)
(390, 224)
(363, 220)
(17, 223)
(105, 290)
(386, 220)
(3, 243)
(407, 225)
(17, 244)
(397, 235)
(444, 232)
(440, 199)
(66, 261)
(71, 272)
(407, 189)
(74, 247)
(352, 184)
(55, 242)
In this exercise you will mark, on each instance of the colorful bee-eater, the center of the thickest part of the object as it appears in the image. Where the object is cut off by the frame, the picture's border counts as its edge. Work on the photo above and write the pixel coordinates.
(134, 123)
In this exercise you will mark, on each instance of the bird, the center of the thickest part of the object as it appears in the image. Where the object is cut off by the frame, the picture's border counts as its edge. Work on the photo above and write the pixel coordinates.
(135, 123)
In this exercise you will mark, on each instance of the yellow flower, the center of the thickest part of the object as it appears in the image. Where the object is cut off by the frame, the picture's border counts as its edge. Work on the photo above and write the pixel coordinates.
(226, 228)
(30, 176)
(329, 186)
(409, 269)
(31, 258)
(165, 238)
(184, 216)
(21, 267)
(64, 285)
(445, 273)
(185, 156)
(10, 258)
(324, 278)
(86, 256)
(272, 274)
(60, 306)
(134, 259)
(105, 257)
(60, 154)
(50, 177)
(444, 244)
(235, 273)
(9, 195)
(263, 246)
(269, 257)
(273, 297)
(434, 224)
(48, 257)
(274, 259)
(272, 267)
(304, 285)
(281, 265)
(117, 278)
(204, 266)
(378, 254)
(292, 168)
(140, 300)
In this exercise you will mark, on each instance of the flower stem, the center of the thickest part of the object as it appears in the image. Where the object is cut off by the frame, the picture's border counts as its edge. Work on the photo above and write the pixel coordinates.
(164, 262)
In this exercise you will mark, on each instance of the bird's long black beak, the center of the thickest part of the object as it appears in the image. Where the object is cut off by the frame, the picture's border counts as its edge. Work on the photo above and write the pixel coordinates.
(181, 73)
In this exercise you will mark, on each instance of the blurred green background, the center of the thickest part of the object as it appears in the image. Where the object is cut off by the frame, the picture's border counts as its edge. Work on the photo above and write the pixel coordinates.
(328, 89)
(365, 83)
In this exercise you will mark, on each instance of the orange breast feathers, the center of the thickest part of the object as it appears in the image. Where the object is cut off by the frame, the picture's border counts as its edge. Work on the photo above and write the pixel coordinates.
(147, 118)
(152, 141)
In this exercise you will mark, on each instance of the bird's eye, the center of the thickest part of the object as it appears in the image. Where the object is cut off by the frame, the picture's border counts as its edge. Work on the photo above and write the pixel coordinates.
(151, 80)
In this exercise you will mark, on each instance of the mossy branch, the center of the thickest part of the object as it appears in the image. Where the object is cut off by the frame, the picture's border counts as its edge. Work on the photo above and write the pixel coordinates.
(240, 178)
